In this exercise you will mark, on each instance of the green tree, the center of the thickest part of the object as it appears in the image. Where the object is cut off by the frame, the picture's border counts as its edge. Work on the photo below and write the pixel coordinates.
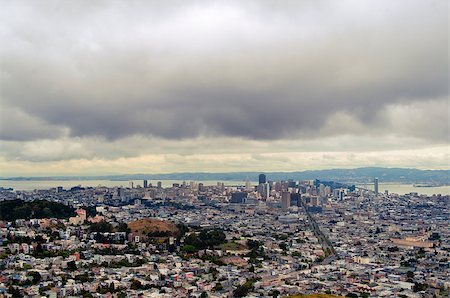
(243, 290)
(188, 248)
(15, 292)
(71, 266)
(274, 293)
(136, 284)
(101, 227)
(218, 287)
(35, 276)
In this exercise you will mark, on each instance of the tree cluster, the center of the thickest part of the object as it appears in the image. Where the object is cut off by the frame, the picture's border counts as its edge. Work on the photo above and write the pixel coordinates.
(11, 210)
(206, 239)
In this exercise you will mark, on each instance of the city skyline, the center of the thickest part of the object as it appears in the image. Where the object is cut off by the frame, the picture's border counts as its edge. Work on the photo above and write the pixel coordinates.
(147, 87)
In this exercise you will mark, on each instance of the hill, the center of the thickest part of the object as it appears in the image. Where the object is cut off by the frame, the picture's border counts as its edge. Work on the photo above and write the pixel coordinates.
(357, 175)
(11, 210)
(147, 227)
(314, 296)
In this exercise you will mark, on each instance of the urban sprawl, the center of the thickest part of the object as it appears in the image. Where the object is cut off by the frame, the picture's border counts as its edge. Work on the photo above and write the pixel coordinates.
(266, 239)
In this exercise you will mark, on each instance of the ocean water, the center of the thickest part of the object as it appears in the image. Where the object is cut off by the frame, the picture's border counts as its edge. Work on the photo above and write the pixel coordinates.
(402, 189)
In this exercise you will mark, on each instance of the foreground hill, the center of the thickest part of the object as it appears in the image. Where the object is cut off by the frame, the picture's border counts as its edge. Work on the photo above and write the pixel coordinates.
(17, 209)
(315, 296)
(147, 227)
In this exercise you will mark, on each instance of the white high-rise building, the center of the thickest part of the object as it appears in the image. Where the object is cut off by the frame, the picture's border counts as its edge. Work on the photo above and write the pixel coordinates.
(375, 186)
(248, 186)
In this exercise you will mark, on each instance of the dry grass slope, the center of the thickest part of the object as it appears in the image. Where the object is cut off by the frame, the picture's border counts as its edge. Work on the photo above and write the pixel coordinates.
(146, 225)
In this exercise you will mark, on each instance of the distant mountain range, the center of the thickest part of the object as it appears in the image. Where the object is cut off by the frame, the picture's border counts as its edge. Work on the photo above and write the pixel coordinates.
(358, 175)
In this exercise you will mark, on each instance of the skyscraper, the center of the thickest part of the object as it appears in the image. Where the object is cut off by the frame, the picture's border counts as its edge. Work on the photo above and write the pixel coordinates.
(262, 178)
(145, 183)
(285, 200)
(265, 191)
(375, 186)
(296, 199)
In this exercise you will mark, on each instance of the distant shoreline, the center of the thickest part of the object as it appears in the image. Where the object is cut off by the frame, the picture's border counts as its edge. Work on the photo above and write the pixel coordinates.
(350, 176)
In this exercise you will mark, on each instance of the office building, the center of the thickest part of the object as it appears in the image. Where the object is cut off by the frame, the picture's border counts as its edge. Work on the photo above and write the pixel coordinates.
(321, 190)
(248, 186)
(296, 199)
(375, 186)
(145, 183)
(238, 197)
(266, 191)
(285, 200)
(262, 178)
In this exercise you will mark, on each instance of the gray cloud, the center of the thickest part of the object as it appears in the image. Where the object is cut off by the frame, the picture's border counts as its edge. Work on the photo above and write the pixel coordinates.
(15, 125)
(250, 70)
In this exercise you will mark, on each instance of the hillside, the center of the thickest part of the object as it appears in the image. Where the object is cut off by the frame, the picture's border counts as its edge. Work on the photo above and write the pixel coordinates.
(17, 209)
(153, 228)
(314, 296)
(357, 175)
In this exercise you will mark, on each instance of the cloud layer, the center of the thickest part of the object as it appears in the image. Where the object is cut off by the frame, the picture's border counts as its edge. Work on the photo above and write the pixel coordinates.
(93, 75)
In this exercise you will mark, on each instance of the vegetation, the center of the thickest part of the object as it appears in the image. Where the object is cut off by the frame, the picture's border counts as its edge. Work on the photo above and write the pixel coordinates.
(18, 209)
(41, 253)
(314, 296)
(101, 227)
(244, 289)
(256, 251)
(124, 263)
(147, 227)
(206, 239)
(231, 246)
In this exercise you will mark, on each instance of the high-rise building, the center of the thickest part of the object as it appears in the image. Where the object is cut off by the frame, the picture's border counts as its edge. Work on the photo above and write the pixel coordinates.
(262, 178)
(120, 192)
(285, 200)
(266, 191)
(159, 184)
(238, 197)
(145, 183)
(131, 184)
(327, 191)
(338, 194)
(296, 199)
(248, 186)
(375, 186)
(321, 190)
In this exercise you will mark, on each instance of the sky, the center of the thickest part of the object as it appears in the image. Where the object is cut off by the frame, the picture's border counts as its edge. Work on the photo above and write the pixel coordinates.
(114, 87)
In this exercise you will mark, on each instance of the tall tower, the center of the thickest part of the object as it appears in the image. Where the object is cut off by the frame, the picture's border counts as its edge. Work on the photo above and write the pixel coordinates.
(145, 183)
(375, 186)
(266, 191)
(262, 178)
(285, 200)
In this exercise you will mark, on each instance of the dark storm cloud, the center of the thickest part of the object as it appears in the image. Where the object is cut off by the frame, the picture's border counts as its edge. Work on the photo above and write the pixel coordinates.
(219, 69)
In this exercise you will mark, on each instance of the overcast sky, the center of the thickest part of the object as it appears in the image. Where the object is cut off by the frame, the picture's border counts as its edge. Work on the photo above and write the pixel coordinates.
(105, 87)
